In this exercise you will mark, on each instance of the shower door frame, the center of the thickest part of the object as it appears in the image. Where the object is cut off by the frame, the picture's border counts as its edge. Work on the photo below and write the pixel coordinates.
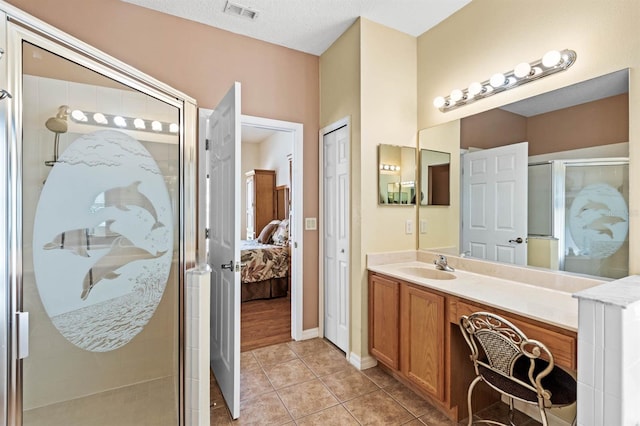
(16, 27)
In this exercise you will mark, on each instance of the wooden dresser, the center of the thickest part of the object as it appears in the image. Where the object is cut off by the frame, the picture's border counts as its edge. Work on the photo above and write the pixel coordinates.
(261, 202)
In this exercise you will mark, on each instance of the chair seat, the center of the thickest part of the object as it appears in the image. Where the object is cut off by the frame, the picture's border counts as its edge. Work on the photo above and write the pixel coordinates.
(559, 383)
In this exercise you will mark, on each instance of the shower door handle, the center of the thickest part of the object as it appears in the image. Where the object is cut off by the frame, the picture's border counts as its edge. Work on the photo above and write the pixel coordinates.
(22, 319)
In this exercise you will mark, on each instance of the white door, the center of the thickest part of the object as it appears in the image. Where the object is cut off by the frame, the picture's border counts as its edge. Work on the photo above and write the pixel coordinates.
(223, 133)
(494, 217)
(336, 236)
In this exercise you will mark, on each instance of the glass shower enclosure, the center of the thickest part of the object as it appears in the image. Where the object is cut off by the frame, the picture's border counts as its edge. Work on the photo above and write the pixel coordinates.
(97, 156)
(583, 205)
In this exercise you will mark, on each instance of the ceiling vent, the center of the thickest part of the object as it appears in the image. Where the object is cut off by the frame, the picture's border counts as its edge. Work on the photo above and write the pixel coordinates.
(239, 10)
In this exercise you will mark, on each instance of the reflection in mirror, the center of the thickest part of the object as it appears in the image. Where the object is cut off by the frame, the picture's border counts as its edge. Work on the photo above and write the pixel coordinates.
(578, 186)
(434, 177)
(396, 175)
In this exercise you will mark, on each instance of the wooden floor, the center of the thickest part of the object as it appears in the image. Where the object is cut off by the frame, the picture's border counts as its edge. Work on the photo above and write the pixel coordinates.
(265, 323)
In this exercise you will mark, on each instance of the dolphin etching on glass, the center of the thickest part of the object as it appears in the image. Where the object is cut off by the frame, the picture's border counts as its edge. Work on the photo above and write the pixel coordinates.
(80, 241)
(122, 252)
(124, 196)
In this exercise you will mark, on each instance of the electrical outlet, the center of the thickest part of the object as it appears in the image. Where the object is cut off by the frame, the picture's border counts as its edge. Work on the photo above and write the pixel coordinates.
(423, 226)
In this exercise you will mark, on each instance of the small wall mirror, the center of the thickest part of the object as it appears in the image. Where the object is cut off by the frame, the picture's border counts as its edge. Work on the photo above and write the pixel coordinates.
(434, 178)
(396, 175)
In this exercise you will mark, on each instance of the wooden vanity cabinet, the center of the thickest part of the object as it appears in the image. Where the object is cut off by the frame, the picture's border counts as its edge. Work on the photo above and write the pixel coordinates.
(384, 319)
(414, 331)
(422, 337)
(406, 332)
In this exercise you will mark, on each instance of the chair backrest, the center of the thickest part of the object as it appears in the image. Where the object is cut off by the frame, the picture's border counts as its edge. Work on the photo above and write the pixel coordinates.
(503, 345)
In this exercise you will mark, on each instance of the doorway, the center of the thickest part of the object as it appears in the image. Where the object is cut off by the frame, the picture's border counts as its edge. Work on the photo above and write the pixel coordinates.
(291, 134)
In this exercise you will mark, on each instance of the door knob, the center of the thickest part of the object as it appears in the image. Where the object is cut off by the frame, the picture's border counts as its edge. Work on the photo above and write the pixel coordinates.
(227, 265)
(518, 240)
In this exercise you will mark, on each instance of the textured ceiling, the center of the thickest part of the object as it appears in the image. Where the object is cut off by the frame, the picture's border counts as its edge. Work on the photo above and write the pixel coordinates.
(309, 25)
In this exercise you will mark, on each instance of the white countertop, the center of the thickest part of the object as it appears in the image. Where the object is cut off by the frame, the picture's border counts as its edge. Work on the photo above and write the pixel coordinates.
(548, 305)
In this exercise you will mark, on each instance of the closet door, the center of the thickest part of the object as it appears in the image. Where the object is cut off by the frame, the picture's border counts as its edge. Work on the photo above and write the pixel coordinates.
(336, 218)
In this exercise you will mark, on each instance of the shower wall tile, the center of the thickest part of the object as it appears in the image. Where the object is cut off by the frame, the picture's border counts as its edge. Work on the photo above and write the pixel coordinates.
(109, 101)
(197, 348)
(609, 354)
(82, 97)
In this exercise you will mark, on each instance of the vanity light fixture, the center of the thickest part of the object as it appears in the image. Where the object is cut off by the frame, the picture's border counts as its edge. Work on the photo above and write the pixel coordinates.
(121, 122)
(552, 62)
(389, 167)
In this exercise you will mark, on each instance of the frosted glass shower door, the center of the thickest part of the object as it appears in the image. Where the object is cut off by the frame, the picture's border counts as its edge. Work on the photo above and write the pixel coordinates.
(596, 236)
(100, 245)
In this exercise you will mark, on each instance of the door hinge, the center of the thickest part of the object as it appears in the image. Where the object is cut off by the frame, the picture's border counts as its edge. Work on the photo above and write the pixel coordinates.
(206, 144)
(206, 233)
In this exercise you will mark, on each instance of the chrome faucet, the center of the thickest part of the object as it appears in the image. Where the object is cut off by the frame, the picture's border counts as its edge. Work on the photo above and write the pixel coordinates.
(441, 263)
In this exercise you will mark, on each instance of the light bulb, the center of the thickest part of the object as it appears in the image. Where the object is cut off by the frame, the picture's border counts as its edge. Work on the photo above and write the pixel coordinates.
(78, 115)
(138, 123)
(475, 88)
(119, 121)
(522, 70)
(551, 58)
(173, 128)
(497, 80)
(439, 102)
(99, 118)
(156, 126)
(456, 95)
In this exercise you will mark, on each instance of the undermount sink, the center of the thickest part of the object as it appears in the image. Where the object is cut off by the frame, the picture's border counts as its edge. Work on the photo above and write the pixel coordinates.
(422, 272)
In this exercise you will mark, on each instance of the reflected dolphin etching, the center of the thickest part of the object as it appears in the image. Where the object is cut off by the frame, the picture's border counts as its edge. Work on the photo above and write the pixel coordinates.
(123, 196)
(599, 224)
(122, 252)
(592, 205)
(80, 241)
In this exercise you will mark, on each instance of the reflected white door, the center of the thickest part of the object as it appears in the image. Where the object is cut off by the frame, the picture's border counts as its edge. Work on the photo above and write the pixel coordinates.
(494, 204)
(223, 133)
(336, 236)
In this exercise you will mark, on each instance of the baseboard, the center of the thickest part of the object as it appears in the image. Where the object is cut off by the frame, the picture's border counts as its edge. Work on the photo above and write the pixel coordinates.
(310, 333)
(362, 363)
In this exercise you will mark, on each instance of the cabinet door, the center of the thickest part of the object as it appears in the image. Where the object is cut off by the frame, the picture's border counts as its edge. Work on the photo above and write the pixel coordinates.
(384, 298)
(422, 339)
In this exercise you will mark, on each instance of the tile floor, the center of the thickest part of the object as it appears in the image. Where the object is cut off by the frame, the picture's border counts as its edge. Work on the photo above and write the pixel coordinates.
(311, 383)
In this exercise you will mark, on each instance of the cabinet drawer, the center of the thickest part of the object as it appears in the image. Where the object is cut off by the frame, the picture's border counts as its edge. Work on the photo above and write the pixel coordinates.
(562, 346)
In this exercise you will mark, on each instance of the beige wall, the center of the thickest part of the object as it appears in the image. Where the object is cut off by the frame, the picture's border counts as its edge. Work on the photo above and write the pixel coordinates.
(441, 227)
(203, 62)
(370, 74)
(489, 36)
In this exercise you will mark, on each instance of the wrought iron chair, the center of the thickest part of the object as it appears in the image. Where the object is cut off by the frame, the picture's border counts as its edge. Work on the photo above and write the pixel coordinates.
(517, 367)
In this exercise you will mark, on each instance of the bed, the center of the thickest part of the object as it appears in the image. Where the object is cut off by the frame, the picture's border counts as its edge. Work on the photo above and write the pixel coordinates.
(265, 271)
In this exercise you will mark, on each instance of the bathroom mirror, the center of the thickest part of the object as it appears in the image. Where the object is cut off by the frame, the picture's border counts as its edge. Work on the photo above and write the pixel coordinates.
(396, 175)
(434, 177)
(582, 132)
